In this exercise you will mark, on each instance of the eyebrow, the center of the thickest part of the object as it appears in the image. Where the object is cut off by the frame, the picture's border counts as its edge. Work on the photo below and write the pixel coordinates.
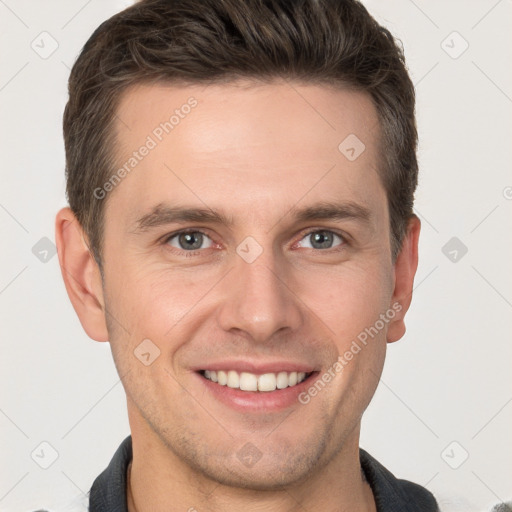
(334, 211)
(162, 215)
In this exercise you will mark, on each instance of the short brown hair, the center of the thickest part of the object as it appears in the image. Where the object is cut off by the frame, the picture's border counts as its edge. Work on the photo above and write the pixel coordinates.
(332, 42)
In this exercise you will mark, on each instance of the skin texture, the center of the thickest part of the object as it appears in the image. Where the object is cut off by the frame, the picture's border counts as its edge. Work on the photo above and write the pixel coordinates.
(257, 154)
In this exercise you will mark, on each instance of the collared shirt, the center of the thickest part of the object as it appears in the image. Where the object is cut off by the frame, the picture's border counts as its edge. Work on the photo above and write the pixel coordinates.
(108, 492)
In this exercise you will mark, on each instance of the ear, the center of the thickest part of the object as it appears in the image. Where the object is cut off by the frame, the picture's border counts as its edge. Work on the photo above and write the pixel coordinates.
(404, 269)
(81, 275)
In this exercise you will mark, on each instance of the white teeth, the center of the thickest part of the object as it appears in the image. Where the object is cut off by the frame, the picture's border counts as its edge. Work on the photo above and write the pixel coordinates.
(282, 380)
(267, 382)
(222, 377)
(233, 380)
(250, 382)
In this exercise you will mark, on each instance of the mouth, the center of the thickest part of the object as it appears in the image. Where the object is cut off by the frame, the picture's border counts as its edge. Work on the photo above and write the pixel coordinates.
(256, 393)
(251, 382)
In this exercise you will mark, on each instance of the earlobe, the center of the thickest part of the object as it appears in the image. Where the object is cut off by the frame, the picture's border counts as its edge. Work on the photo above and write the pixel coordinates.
(405, 268)
(81, 275)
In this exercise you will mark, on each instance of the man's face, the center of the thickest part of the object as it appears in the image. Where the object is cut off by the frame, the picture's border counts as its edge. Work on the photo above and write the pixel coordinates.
(265, 277)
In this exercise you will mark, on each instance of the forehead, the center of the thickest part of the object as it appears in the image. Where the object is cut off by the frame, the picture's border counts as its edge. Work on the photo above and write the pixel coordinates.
(269, 142)
(243, 109)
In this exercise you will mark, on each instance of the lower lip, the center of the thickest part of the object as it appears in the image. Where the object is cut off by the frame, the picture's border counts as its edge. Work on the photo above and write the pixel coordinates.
(257, 401)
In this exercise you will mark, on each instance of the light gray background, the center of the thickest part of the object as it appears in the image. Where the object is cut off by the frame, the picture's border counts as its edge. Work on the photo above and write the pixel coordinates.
(448, 380)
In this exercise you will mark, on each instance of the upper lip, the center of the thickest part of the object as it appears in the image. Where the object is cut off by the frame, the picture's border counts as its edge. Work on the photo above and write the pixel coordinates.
(258, 368)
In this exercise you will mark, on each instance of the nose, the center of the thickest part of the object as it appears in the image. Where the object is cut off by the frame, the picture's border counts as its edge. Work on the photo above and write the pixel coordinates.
(259, 301)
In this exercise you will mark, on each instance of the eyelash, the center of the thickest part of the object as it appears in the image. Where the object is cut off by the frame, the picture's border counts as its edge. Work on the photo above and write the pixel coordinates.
(343, 245)
(165, 241)
(168, 238)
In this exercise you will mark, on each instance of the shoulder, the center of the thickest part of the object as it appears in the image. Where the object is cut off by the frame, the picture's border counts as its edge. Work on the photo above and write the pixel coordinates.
(393, 494)
(418, 495)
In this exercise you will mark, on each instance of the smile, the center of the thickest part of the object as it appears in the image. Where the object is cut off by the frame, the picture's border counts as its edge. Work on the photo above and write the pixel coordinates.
(246, 381)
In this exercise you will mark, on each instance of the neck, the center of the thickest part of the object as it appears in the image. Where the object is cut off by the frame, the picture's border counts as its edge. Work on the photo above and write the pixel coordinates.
(157, 477)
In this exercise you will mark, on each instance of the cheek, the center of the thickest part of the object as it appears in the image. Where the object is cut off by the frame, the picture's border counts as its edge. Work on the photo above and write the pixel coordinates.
(351, 305)
(348, 299)
(154, 300)
(162, 305)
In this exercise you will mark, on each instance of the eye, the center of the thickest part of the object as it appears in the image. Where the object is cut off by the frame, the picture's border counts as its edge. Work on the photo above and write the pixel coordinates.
(321, 239)
(190, 240)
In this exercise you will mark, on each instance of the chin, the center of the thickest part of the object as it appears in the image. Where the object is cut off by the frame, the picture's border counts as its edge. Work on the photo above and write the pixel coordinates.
(265, 464)
(274, 475)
